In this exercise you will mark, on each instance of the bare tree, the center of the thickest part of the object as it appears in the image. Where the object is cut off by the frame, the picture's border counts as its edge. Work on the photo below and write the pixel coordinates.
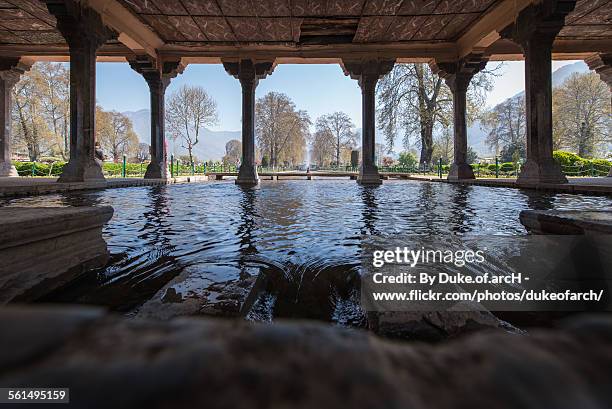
(340, 127)
(188, 110)
(115, 133)
(53, 81)
(322, 148)
(581, 115)
(233, 152)
(413, 99)
(282, 131)
(144, 152)
(505, 124)
(29, 127)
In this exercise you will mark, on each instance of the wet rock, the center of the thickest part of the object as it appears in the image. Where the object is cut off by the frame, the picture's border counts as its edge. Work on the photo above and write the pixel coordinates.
(434, 326)
(191, 362)
(232, 299)
(192, 293)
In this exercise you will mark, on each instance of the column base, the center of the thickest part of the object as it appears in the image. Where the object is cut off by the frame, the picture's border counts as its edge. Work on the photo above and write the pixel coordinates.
(247, 176)
(156, 171)
(8, 170)
(546, 172)
(460, 171)
(369, 176)
(87, 170)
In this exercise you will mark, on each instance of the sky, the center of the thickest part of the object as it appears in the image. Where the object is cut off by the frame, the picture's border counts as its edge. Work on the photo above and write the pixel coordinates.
(318, 89)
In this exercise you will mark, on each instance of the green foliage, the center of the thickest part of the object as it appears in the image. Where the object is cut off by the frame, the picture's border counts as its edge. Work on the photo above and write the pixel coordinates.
(407, 160)
(574, 165)
(39, 169)
(567, 158)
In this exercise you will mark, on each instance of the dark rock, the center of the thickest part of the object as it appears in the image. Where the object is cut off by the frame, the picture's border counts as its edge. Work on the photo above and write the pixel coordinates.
(434, 326)
(190, 362)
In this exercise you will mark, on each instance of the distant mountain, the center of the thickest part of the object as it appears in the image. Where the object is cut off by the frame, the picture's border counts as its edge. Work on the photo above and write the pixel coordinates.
(476, 136)
(210, 147)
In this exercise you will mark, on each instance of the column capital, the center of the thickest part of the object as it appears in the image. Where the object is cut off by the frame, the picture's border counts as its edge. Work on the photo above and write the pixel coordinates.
(367, 71)
(539, 22)
(11, 69)
(248, 70)
(458, 74)
(155, 72)
(601, 63)
(79, 24)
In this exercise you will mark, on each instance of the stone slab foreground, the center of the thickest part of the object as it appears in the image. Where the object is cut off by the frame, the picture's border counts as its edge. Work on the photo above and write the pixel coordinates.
(43, 247)
(110, 362)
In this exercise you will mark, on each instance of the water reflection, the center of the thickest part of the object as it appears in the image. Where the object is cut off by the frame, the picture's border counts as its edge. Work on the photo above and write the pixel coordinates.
(461, 211)
(369, 209)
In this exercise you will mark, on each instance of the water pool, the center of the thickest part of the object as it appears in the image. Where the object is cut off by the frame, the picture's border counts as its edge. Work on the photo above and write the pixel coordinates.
(182, 239)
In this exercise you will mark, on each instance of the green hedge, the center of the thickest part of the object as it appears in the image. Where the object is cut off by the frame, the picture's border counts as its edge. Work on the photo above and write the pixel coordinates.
(56, 168)
(39, 169)
(574, 165)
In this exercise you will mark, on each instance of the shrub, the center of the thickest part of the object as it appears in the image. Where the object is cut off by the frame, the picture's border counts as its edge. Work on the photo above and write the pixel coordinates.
(40, 169)
(567, 158)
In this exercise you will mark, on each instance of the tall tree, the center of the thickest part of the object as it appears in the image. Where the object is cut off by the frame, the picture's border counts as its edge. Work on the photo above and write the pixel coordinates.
(443, 145)
(29, 128)
(581, 115)
(53, 81)
(188, 110)
(233, 152)
(506, 125)
(340, 127)
(413, 99)
(115, 133)
(322, 148)
(282, 131)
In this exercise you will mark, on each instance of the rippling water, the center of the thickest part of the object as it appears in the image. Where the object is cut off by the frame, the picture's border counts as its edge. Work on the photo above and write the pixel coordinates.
(304, 235)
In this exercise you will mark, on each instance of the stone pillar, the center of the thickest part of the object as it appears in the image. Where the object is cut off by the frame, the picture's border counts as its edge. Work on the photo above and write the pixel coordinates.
(10, 72)
(248, 72)
(158, 76)
(535, 30)
(458, 76)
(84, 32)
(368, 72)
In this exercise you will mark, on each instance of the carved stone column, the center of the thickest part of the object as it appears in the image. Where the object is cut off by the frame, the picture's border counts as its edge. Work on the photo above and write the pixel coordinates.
(10, 72)
(368, 72)
(458, 76)
(84, 32)
(535, 30)
(158, 76)
(248, 72)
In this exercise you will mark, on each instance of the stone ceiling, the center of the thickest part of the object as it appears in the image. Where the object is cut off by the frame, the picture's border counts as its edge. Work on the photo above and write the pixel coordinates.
(297, 22)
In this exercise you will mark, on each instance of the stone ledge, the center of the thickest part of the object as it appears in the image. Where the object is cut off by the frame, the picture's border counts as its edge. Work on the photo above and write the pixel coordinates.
(42, 248)
(567, 221)
(184, 363)
(23, 225)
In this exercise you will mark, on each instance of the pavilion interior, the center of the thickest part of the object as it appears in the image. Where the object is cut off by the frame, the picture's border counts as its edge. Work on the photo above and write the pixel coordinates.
(160, 37)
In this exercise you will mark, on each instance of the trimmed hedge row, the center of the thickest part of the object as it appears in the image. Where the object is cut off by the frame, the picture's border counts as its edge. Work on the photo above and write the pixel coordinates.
(56, 168)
